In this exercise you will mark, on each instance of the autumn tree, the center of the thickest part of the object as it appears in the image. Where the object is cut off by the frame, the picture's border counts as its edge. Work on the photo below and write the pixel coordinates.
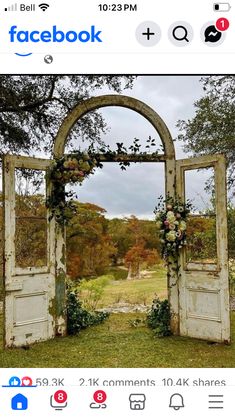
(201, 238)
(139, 253)
(129, 232)
(138, 256)
(89, 246)
(120, 237)
(31, 231)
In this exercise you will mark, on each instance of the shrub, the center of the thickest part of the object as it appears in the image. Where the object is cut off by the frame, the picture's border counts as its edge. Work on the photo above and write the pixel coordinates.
(92, 291)
(118, 273)
(159, 317)
(79, 318)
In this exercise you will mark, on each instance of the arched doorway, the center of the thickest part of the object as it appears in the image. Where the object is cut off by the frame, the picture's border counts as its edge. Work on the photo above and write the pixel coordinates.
(198, 293)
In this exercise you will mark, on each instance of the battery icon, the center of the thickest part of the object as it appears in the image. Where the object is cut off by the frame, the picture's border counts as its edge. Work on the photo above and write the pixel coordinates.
(221, 7)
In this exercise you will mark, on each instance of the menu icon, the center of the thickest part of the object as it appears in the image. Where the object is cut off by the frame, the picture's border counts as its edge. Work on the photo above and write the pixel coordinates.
(216, 401)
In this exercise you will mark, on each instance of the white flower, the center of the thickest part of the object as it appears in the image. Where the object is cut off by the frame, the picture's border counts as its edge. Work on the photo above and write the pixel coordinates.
(171, 236)
(170, 217)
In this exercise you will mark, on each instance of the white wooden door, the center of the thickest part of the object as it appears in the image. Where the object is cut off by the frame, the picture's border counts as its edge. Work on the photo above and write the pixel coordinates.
(204, 284)
(29, 259)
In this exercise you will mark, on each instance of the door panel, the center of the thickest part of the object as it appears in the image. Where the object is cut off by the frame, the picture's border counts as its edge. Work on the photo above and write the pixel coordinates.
(29, 253)
(204, 278)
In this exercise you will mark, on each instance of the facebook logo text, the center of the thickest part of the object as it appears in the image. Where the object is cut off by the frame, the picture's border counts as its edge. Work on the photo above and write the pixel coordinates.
(55, 35)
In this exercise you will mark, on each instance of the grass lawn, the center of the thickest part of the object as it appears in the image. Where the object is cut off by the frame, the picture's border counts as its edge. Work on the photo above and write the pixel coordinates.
(141, 291)
(116, 344)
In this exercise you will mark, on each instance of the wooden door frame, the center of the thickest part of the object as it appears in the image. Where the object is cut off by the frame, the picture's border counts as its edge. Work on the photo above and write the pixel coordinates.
(12, 274)
(220, 268)
(168, 157)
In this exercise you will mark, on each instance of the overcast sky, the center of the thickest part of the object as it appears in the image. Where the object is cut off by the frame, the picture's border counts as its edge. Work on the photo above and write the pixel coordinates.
(135, 191)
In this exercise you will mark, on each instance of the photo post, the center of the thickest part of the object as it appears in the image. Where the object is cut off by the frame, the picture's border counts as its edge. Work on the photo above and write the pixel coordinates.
(117, 215)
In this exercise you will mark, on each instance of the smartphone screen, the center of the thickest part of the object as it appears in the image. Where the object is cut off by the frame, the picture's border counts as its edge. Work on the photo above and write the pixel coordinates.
(117, 215)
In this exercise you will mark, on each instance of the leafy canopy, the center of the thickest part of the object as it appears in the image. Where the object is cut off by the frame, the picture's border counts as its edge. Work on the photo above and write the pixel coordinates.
(212, 129)
(33, 107)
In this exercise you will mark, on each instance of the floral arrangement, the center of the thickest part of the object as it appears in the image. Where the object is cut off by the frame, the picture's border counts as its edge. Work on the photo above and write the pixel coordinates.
(171, 220)
(72, 168)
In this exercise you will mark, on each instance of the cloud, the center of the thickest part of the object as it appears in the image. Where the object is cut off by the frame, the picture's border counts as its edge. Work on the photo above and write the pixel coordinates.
(123, 193)
(135, 191)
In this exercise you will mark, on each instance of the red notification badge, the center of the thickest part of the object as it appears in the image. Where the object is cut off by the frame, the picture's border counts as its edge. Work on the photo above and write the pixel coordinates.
(60, 396)
(222, 24)
(100, 396)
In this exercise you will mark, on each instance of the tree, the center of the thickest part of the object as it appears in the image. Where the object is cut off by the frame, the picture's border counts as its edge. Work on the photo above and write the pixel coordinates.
(139, 254)
(33, 107)
(120, 237)
(212, 129)
(201, 238)
(30, 231)
(89, 246)
(133, 259)
(129, 232)
(136, 257)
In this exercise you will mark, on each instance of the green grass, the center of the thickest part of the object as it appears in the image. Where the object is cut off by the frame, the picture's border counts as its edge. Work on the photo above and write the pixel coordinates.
(139, 291)
(116, 344)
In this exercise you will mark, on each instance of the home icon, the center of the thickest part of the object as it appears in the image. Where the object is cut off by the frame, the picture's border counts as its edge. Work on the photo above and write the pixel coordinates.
(19, 403)
(137, 401)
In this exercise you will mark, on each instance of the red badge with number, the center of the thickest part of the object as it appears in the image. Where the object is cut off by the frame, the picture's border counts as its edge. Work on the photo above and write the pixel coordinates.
(222, 24)
(60, 396)
(99, 396)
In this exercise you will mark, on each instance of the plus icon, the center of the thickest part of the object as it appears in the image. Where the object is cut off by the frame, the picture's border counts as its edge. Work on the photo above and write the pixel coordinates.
(148, 34)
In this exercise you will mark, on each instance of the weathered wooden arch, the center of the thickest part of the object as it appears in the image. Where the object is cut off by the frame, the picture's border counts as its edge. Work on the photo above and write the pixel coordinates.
(94, 103)
(168, 158)
(35, 303)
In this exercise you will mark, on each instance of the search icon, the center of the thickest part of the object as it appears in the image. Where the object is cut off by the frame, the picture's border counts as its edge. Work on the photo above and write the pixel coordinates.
(180, 33)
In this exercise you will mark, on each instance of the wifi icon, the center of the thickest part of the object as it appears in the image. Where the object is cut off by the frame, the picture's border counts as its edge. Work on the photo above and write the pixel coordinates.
(44, 6)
